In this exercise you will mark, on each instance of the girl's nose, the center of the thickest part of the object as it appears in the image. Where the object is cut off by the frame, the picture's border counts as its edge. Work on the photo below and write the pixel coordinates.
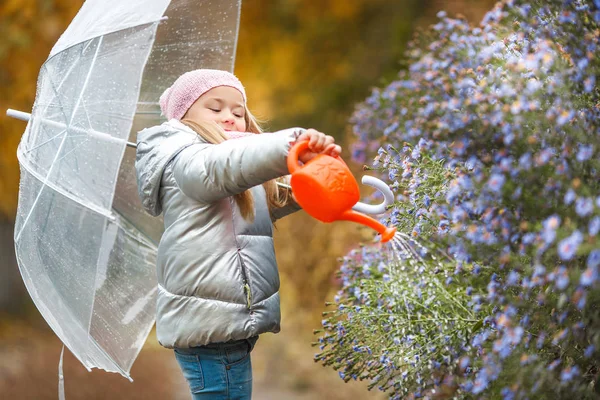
(227, 117)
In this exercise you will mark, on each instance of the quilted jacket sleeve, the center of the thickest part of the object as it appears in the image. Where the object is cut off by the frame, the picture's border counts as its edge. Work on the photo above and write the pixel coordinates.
(210, 172)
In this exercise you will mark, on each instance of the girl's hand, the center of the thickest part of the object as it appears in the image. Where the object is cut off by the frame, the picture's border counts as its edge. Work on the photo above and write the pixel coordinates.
(318, 143)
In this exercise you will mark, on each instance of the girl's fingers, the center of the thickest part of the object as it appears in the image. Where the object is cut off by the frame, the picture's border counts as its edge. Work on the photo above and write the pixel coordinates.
(320, 142)
(333, 150)
(312, 141)
(315, 140)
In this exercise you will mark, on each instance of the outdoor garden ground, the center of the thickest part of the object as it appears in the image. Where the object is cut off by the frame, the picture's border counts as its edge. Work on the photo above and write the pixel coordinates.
(29, 355)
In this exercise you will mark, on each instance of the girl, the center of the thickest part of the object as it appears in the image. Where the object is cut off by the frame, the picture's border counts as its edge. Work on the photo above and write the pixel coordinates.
(218, 284)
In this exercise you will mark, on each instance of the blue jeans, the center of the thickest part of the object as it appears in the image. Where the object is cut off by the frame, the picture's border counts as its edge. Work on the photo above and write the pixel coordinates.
(218, 371)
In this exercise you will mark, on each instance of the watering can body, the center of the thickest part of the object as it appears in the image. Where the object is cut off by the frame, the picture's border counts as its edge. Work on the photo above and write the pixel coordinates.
(326, 189)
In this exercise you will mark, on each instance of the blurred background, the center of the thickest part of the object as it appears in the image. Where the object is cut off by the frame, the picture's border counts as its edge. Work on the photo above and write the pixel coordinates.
(304, 63)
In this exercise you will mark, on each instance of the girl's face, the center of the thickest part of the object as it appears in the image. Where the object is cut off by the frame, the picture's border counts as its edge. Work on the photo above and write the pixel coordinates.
(223, 105)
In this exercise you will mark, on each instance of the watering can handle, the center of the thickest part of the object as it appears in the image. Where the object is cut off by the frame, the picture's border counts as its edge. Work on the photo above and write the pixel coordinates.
(373, 209)
(292, 159)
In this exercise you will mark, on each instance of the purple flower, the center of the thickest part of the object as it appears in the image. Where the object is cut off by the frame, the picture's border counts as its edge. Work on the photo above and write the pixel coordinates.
(585, 152)
(589, 276)
(568, 246)
(502, 347)
(515, 335)
(528, 238)
(561, 335)
(593, 260)
(569, 373)
(426, 201)
(513, 278)
(562, 278)
(391, 128)
(564, 117)
(554, 364)
(539, 270)
(550, 225)
(540, 340)
(525, 161)
(544, 156)
(465, 182)
(507, 394)
(496, 182)
(594, 226)
(464, 362)
(581, 302)
(589, 82)
(584, 206)
(570, 196)
(481, 381)
(424, 144)
(416, 153)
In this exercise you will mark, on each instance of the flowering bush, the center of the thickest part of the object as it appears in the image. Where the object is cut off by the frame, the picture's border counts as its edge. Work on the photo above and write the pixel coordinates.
(491, 142)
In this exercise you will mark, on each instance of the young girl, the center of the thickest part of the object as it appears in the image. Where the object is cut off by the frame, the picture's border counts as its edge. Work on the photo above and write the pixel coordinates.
(212, 175)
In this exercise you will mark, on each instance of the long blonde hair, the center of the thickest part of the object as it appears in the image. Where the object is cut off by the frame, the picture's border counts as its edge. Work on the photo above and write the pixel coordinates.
(212, 133)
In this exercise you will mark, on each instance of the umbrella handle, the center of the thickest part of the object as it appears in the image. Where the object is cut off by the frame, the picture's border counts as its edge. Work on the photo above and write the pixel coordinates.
(23, 116)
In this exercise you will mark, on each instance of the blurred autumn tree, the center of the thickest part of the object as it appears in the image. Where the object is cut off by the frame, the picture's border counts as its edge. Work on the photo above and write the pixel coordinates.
(28, 29)
(304, 63)
(307, 62)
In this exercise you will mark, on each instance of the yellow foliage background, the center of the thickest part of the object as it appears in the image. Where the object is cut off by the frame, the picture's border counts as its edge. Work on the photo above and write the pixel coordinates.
(304, 63)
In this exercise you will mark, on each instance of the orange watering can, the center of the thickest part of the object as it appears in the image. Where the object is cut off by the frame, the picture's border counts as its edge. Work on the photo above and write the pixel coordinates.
(325, 188)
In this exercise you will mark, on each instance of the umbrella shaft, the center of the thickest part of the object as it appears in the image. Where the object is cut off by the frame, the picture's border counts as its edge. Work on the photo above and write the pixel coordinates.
(23, 116)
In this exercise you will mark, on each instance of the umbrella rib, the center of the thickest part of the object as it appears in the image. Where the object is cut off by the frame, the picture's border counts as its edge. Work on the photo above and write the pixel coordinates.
(45, 181)
(99, 210)
(60, 84)
(237, 30)
(73, 149)
(57, 88)
(29, 150)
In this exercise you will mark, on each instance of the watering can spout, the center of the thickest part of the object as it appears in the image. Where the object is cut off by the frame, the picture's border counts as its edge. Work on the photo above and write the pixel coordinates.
(386, 233)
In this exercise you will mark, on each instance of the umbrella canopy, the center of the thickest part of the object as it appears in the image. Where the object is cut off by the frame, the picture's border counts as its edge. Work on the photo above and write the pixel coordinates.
(85, 247)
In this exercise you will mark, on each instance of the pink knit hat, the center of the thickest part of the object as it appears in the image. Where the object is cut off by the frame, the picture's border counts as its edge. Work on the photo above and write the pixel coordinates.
(176, 100)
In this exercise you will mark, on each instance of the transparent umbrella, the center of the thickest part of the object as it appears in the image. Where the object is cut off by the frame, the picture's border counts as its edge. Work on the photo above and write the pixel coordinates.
(85, 248)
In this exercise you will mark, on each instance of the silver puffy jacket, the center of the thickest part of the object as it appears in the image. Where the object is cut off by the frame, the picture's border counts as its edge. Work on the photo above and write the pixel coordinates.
(217, 273)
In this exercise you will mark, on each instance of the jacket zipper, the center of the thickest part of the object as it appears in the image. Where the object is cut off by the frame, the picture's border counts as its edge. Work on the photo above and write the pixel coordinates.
(247, 291)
